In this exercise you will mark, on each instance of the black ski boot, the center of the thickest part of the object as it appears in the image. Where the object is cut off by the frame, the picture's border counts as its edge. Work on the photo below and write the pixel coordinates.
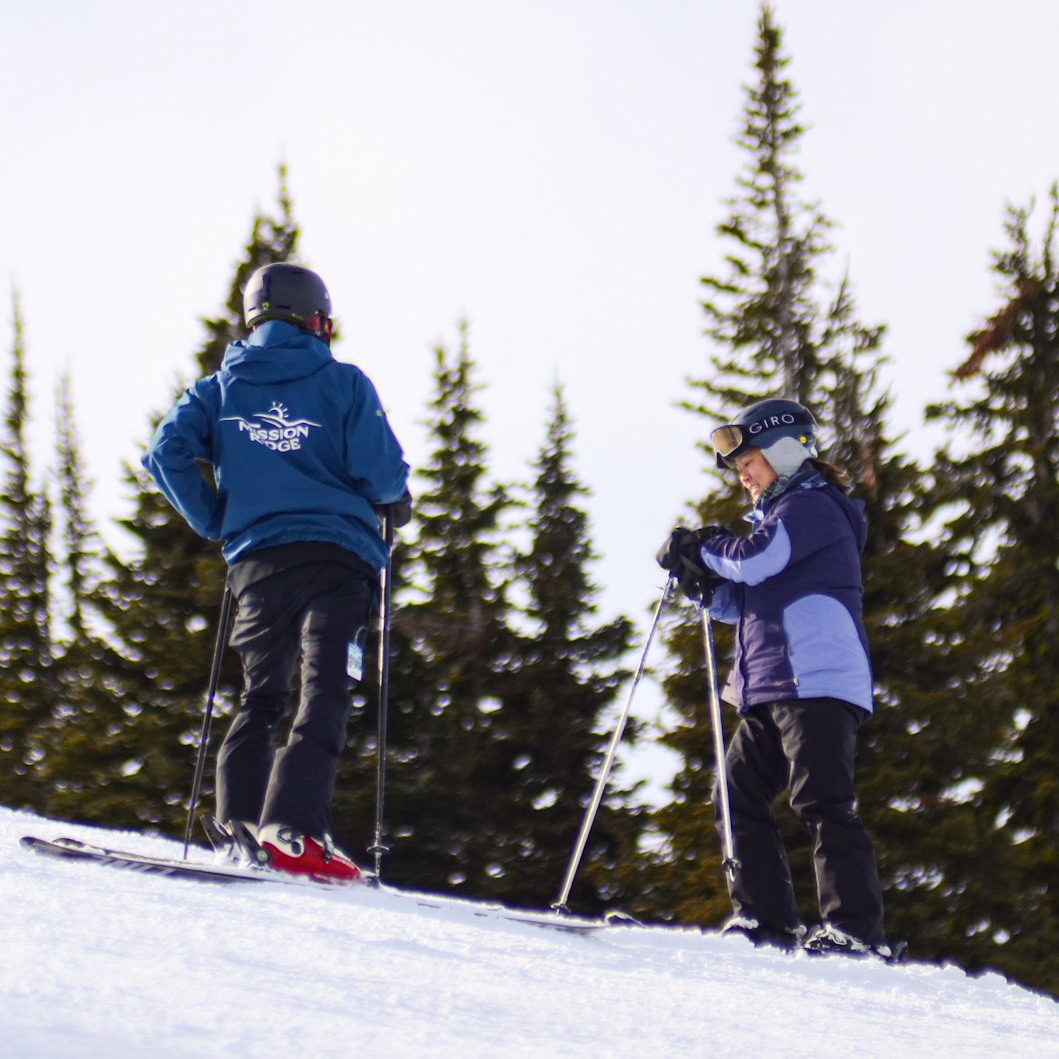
(827, 940)
(760, 934)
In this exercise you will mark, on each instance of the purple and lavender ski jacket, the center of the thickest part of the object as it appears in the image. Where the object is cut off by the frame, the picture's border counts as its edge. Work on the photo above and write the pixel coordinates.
(793, 590)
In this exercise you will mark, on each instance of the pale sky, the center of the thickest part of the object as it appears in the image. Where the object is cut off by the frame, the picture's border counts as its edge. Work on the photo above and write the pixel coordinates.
(552, 170)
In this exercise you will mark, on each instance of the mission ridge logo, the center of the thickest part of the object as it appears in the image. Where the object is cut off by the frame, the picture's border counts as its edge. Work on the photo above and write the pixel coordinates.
(273, 429)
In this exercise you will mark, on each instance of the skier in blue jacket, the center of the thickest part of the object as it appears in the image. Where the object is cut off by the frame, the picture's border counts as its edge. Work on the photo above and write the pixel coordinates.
(302, 459)
(801, 678)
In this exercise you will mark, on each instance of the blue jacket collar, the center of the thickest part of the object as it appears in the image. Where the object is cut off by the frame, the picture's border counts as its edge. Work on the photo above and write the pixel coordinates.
(276, 352)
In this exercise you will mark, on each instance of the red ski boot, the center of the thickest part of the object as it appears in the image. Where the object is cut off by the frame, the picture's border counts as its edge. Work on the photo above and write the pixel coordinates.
(291, 851)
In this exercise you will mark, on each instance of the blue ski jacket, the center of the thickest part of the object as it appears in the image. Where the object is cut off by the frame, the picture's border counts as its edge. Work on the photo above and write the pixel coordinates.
(299, 444)
(793, 590)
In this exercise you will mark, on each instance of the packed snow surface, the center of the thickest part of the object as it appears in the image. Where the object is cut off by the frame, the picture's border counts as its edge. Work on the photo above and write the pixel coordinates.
(100, 962)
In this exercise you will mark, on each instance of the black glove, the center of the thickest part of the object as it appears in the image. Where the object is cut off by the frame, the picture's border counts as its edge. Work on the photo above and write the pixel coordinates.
(699, 588)
(681, 553)
(399, 512)
(681, 556)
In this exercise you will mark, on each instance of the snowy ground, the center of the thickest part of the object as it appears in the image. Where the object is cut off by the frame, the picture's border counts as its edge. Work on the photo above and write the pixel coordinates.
(100, 962)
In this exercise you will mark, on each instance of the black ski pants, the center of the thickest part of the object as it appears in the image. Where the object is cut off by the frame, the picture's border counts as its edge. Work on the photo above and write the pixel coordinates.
(807, 747)
(312, 610)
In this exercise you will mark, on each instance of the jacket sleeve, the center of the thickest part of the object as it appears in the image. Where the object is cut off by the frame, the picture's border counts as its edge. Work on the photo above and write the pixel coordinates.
(182, 438)
(726, 604)
(373, 454)
(788, 534)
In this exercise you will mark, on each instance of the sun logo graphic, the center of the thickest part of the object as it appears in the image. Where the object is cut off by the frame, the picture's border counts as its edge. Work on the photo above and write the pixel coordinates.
(274, 429)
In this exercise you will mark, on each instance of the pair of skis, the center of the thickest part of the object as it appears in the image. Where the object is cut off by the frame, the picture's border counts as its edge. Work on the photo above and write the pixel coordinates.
(229, 872)
(238, 857)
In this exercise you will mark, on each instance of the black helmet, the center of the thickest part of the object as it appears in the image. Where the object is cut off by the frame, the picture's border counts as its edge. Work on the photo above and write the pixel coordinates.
(284, 291)
(761, 425)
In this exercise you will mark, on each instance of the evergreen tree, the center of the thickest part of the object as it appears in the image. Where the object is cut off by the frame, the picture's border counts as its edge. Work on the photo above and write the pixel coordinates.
(271, 239)
(997, 491)
(918, 745)
(27, 691)
(764, 322)
(163, 605)
(83, 771)
(451, 650)
(565, 678)
(493, 730)
(764, 313)
(80, 539)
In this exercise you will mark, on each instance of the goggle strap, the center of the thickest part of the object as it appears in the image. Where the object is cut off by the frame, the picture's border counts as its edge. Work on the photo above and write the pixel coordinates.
(319, 325)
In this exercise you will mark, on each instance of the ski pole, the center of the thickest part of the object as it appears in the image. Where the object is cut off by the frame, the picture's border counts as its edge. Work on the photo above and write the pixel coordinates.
(729, 862)
(204, 733)
(608, 761)
(378, 847)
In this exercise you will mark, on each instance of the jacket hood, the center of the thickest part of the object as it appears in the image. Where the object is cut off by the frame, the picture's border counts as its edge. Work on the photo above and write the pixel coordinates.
(813, 479)
(276, 352)
(854, 511)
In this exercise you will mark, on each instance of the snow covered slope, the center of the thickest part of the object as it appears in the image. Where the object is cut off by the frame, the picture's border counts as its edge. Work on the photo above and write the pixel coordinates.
(99, 962)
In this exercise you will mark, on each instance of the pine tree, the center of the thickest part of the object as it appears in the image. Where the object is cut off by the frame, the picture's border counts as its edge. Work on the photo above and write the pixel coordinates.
(450, 651)
(83, 771)
(997, 491)
(765, 310)
(80, 540)
(493, 730)
(163, 605)
(27, 690)
(566, 676)
(271, 239)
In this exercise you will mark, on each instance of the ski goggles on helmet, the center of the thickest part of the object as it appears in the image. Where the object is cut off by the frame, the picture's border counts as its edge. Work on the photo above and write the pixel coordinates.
(726, 440)
(759, 431)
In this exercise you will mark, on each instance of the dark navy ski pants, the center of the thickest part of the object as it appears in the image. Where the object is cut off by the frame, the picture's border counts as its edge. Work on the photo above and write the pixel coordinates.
(293, 602)
(806, 747)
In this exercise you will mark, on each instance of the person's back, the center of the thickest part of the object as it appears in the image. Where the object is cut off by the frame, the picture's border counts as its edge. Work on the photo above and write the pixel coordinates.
(294, 432)
(299, 444)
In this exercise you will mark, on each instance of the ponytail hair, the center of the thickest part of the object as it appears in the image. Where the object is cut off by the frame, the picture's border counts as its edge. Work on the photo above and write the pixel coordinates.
(832, 474)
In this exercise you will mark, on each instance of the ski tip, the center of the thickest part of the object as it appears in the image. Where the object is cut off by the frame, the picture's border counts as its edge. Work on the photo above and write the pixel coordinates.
(34, 842)
(617, 918)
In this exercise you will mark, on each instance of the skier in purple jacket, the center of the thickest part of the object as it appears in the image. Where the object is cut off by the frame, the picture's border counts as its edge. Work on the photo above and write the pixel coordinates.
(801, 679)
